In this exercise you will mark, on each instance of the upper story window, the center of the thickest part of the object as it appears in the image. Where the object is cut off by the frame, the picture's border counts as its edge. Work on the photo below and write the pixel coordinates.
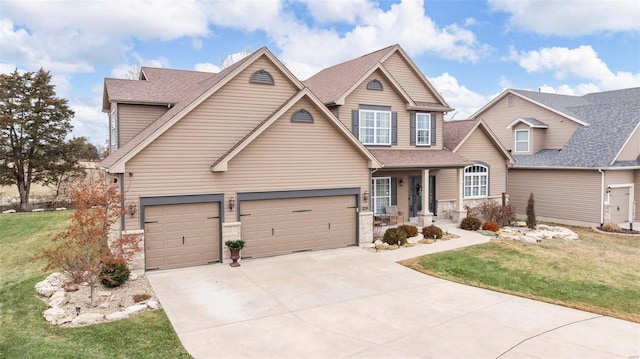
(521, 141)
(375, 127)
(114, 129)
(476, 181)
(423, 129)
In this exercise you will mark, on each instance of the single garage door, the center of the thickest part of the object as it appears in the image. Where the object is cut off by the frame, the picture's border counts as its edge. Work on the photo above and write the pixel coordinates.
(281, 226)
(181, 235)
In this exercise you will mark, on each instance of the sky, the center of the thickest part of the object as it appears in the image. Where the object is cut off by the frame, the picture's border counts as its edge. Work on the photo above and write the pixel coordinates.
(470, 50)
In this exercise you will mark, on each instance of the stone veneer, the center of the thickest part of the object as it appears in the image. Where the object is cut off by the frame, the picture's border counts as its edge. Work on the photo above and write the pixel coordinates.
(366, 228)
(231, 231)
(137, 262)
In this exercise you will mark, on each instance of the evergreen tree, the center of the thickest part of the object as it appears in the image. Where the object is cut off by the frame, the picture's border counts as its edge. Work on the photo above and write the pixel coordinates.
(531, 213)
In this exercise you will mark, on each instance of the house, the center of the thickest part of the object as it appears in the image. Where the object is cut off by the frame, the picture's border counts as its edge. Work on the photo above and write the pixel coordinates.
(252, 152)
(249, 153)
(578, 155)
(394, 110)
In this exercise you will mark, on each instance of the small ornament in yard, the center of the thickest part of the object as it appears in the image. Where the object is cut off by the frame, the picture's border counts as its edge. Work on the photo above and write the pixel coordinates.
(234, 249)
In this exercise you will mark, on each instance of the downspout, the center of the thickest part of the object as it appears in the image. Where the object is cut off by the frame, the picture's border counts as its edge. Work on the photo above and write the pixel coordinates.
(122, 219)
(601, 197)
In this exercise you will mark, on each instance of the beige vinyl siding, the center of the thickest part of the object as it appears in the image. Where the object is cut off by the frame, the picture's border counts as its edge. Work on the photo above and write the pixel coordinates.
(388, 97)
(636, 196)
(631, 150)
(408, 79)
(446, 184)
(500, 115)
(133, 118)
(479, 147)
(537, 139)
(618, 177)
(287, 156)
(562, 194)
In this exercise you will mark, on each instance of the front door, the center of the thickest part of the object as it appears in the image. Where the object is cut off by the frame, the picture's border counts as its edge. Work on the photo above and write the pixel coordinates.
(415, 195)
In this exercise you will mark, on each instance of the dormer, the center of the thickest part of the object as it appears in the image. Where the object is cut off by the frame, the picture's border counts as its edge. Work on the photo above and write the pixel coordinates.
(528, 135)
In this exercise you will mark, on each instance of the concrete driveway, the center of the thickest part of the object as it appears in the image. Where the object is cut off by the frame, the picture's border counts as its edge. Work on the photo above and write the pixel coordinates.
(354, 303)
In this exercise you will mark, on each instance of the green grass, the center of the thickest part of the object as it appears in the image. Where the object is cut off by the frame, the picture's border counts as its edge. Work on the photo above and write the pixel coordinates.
(23, 331)
(599, 273)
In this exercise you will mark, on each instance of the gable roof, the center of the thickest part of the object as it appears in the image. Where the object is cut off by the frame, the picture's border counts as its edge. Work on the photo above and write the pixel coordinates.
(420, 158)
(333, 84)
(457, 132)
(221, 163)
(529, 121)
(609, 120)
(115, 162)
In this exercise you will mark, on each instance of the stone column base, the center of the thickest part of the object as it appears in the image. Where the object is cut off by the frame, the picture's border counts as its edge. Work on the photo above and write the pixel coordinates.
(457, 216)
(425, 219)
(365, 237)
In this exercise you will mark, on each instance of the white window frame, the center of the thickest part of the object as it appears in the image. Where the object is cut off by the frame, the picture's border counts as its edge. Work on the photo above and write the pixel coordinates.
(376, 196)
(114, 129)
(376, 127)
(476, 184)
(423, 130)
(516, 142)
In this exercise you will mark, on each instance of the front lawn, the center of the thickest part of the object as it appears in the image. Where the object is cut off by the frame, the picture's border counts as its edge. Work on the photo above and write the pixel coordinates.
(23, 331)
(600, 273)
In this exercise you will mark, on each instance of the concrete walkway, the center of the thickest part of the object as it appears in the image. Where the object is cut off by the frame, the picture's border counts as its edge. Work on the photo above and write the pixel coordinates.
(355, 303)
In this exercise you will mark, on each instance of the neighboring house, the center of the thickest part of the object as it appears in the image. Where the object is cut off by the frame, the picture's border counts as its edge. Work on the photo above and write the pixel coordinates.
(579, 155)
(247, 153)
(397, 114)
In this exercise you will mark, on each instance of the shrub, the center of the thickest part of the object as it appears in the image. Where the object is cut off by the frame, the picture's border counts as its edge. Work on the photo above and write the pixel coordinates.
(611, 227)
(491, 226)
(492, 211)
(137, 298)
(395, 236)
(432, 232)
(410, 230)
(114, 273)
(471, 223)
(531, 213)
(238, 243)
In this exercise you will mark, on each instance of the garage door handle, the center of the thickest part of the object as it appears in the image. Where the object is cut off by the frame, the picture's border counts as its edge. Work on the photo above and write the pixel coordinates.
(150, 222)
(182, 240)
(273, 231)
(329, 225)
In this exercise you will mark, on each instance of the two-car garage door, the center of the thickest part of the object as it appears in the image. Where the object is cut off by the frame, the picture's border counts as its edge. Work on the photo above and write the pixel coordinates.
(281, 226)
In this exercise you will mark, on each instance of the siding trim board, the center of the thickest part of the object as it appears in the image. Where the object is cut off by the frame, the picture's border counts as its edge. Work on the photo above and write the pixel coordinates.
(405, 96)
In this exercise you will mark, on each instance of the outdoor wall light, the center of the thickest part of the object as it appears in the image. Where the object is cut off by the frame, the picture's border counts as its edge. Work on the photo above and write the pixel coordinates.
(608, 189)
(365, 195)
(401, 182)
(132, 209)
(232, 203)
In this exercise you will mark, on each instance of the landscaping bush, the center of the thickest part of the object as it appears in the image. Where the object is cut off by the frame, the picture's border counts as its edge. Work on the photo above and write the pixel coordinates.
(410, 230)
(611, 227)
(432, 232)
(471, 223)
(491, 226)
(531, 212)
(114, 273)
(395, 236)
(492, 211)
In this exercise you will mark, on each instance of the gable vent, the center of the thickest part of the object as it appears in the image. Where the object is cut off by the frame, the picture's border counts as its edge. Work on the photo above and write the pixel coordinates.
(374, 85)
(261, 77)
(302, 116)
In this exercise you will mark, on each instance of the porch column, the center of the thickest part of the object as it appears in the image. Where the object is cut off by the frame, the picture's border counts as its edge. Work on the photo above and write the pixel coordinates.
(459, 213)
(425, 217)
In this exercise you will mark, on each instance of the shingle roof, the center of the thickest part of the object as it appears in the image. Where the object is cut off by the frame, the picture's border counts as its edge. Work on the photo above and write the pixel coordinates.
(331, 83)
(455, 131)
(419, 158)
(529, 121)
(611, 116)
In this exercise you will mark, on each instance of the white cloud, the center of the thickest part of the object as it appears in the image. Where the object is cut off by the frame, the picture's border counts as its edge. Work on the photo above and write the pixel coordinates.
(206, 67)
(571, 17)
(464, 101)
(581, 63)
(125, 70)
(340, 11)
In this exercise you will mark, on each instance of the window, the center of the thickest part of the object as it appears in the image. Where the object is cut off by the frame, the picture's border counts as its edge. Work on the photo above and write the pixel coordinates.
(302, 115)
(261, 77)
(114, 129)
(423, 129)
(522, 140)
(375, 127)
(375, 85)
(381, 196)
(510, 100)
(476, 181)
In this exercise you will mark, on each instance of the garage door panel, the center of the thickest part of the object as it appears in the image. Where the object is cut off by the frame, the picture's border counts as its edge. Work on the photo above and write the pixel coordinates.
(281, 226)
(164, 244)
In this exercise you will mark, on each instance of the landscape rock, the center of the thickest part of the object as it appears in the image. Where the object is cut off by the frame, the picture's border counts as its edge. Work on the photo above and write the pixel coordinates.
(133, 276)
(416, 239)
(45, 289)
(135, 308)
(117, 316)
(378, 242)
(57, 315)
(38, 210)
(153, 304)
(87, 319)
(58, 299)
(9, 211)
(61, 209)
(527, 239)
(104, 293)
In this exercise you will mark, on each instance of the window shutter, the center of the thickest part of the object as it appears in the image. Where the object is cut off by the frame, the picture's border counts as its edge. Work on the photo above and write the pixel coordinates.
(394, 191)
(394, 128)
(412, 121)
(433, 129)
(355, 123)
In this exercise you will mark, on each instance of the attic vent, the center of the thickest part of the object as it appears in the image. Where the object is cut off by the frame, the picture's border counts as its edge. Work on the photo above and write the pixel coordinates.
(261, 77)
(302, 115)
(374, 85)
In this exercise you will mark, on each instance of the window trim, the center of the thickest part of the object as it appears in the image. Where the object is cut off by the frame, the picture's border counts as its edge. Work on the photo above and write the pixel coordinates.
(375, 127)
(374, 192)
(479, 186)
(427, 129)
(515, 141)
(114, 131)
